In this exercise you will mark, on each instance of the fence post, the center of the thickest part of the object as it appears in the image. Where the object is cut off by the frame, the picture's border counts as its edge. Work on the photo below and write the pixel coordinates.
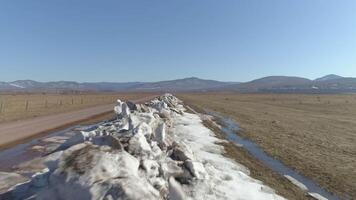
(1, 105)
(46, 104)
(60, 102)
(72, 101)
(26, 105)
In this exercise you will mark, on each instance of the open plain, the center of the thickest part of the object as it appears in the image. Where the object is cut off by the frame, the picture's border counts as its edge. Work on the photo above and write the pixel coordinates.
(314, 134)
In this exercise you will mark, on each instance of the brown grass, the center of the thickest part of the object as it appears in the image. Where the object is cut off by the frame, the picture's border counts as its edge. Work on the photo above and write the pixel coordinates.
(315, 134)
(22, 106)
(257, 170)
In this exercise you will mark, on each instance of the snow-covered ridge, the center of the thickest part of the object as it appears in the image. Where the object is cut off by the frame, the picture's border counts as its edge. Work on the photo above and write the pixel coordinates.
(15, 85)
(151, 151)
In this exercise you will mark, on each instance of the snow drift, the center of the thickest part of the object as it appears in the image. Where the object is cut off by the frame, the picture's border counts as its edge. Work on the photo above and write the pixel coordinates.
(151, 151)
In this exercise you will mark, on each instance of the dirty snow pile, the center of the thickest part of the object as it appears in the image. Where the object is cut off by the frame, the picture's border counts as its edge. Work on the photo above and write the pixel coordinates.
(151, 151)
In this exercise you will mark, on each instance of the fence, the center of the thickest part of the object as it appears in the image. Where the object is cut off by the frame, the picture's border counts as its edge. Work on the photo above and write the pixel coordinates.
(21, 106)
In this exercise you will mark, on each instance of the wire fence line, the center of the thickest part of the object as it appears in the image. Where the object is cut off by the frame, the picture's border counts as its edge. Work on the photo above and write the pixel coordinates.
(16, 107)
(20, 106)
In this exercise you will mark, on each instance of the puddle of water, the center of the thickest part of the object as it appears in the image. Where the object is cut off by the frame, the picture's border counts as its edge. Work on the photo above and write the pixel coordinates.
(230, 129)
(22, 152)
(9, 158)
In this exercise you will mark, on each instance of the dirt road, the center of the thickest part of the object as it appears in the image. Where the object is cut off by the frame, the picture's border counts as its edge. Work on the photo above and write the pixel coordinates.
(20, 130)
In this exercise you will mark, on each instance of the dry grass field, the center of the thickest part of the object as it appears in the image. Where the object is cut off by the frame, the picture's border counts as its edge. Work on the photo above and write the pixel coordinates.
(21, 106)
(314, 134)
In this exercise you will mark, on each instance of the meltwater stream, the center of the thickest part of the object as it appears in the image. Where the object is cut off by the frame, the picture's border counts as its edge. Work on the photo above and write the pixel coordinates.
(9, 158)
(230, 128)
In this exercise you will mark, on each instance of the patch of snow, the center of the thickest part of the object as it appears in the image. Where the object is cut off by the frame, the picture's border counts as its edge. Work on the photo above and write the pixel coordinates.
(18, 86)
(139, 145)
(296, 182)
(122, 109)
(175, 190)
(317, 196)
(226, 180)
(197, 169)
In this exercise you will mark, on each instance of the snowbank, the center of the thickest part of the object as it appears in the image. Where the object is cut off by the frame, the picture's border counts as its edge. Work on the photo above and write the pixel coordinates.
(151, 151)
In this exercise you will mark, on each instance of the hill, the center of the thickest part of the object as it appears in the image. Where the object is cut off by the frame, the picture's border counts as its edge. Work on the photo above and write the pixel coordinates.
(186, 84)
(287, 84)
(273, 83)
(329, 77)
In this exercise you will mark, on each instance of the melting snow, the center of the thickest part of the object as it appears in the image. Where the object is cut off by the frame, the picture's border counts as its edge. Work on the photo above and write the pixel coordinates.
(225, 179)
(151, 151)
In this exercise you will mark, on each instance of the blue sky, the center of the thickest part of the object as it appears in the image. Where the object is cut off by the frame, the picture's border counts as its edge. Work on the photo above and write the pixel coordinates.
(141, 40)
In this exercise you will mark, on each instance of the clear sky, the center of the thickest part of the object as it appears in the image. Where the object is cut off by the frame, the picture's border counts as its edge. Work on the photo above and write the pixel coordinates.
(149, 40)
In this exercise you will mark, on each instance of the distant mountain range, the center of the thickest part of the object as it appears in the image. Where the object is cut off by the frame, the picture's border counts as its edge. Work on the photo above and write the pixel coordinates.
(285, 84)
(186, 84)
(279, 84)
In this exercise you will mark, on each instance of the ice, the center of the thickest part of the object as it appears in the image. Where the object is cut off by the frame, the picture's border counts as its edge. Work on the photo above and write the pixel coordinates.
(197, 169)
(40, 179)
(122, 109)
(8, 179)
(175, 190)
(317, 196)
(171, 168)
(151, 167)
(160, 134)
(296, 182)
(138, 145)
(182, 152)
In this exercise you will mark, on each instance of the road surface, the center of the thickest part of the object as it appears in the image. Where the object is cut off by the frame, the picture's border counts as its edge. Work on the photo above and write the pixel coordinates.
(12, 132)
